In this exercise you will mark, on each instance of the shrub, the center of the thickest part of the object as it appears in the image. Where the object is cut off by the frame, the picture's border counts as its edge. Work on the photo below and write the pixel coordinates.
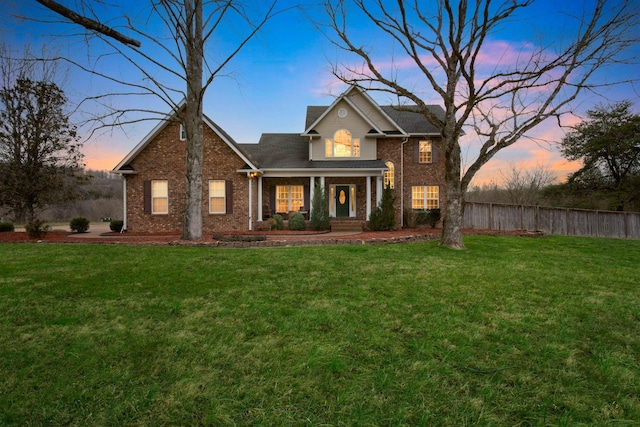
(6, 226)
(279, 222)
(320, 219)
(116, 225)
(421, 217)
(79, 225)
(433, 216)
(36, 228)
(409, 216)
(383, 218)
(297, 221)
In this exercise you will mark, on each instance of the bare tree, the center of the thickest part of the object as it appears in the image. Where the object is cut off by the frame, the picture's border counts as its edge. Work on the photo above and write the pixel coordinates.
(190, 24)
(523, 186)
(446, 41)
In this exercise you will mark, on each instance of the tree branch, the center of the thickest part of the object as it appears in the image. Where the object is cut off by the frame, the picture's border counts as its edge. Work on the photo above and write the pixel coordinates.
(88, 23)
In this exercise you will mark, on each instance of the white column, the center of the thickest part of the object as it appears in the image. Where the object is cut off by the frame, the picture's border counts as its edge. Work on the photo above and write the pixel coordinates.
(250, 201)
(378, 190)
(260, 213)
(312, 188)
(124, 203)
(368, 180)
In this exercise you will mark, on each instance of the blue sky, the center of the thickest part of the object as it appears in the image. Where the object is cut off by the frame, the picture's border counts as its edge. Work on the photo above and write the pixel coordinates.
(267, 87)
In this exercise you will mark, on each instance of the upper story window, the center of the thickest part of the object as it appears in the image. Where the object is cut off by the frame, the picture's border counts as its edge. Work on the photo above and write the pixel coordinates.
(183, 133)
(342, 145)
(426, 152)
(389, 180)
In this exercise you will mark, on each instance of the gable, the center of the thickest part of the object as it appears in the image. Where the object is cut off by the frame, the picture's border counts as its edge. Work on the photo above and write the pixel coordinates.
(170, 121)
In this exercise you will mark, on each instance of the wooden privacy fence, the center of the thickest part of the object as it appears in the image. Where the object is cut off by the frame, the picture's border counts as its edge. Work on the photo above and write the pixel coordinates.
(573, 222)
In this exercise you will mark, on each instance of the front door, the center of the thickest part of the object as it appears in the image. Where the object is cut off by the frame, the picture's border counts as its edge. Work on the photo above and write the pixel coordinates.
(342, 200)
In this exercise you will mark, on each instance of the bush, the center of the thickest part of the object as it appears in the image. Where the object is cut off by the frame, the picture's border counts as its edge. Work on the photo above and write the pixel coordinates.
(433, 216)
(409, 216)
(279, 222)
(383, 218)
(320, 219)
(36, 228)
(6, 226)
(417, 217)
(116, 225)
(79, 225)
(297, 221)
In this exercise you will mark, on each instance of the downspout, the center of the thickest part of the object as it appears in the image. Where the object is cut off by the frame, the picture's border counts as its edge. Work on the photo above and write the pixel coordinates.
(402, 181)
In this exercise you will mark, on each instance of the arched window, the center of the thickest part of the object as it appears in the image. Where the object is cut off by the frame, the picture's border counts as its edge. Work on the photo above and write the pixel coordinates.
(342, 145)
(389, 176)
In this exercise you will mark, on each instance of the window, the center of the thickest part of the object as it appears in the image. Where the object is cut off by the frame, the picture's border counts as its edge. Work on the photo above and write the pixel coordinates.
(389, 180)
(289, 198)
(425, 197)
(159, 197)
(425, 155)
(217, 200)
(183, 133)
(342, 145)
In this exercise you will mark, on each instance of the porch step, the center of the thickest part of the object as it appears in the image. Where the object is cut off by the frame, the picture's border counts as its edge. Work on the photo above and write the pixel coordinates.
(346, 225)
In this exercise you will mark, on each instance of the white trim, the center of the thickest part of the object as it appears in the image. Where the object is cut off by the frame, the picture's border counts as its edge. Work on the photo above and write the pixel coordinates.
(344, 96)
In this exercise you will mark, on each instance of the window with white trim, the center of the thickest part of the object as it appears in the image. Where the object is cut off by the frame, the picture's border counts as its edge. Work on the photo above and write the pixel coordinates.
(289, 197)
(425, 197)
(160, 197)
(342, 145)
(389, 179)
(217, 197)
(183, 133)
(426, 153)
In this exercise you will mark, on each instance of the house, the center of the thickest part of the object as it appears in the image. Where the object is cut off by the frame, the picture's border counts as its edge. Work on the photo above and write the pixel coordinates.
(353, 148)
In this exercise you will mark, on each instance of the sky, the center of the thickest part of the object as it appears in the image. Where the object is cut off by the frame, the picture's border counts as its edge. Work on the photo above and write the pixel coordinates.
(286, 67)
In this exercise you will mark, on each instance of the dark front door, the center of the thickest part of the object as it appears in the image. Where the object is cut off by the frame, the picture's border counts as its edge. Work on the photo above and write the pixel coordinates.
(342, 200)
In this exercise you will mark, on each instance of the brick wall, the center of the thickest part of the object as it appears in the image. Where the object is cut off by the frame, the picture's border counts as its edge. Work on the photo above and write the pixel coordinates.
(414, 173)
(164, 159)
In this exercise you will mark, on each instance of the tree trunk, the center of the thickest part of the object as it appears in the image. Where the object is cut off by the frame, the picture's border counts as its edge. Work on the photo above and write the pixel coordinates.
(452, 222)
(194, 42)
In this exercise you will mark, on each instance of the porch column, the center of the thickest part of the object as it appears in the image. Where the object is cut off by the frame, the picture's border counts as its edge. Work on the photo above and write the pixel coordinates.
(250, 201)
(260, 198)
(124, 204)
(368, 181)
(312, 187)
(378, 190)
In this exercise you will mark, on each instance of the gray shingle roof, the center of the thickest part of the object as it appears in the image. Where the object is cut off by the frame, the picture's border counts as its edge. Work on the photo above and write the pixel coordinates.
(409, 119)
(291, 151)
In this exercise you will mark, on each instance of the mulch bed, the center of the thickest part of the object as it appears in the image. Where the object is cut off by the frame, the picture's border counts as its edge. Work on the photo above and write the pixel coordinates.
(272, 238)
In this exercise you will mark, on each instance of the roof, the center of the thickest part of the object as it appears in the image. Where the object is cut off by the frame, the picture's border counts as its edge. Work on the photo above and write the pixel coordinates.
(291, 151)
(124, 166)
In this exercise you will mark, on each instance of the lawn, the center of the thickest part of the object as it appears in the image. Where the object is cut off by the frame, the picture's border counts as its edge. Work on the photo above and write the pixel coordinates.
(512, 331)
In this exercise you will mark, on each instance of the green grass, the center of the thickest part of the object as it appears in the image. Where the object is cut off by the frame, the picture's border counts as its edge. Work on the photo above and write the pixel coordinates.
(512, 331)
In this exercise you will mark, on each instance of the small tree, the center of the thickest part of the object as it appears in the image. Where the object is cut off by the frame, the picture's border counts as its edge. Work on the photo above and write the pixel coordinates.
(320, 219)
(40, 159)
(383, 218)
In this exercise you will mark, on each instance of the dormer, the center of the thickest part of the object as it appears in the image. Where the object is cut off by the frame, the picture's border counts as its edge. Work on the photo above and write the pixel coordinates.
(348, 129)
